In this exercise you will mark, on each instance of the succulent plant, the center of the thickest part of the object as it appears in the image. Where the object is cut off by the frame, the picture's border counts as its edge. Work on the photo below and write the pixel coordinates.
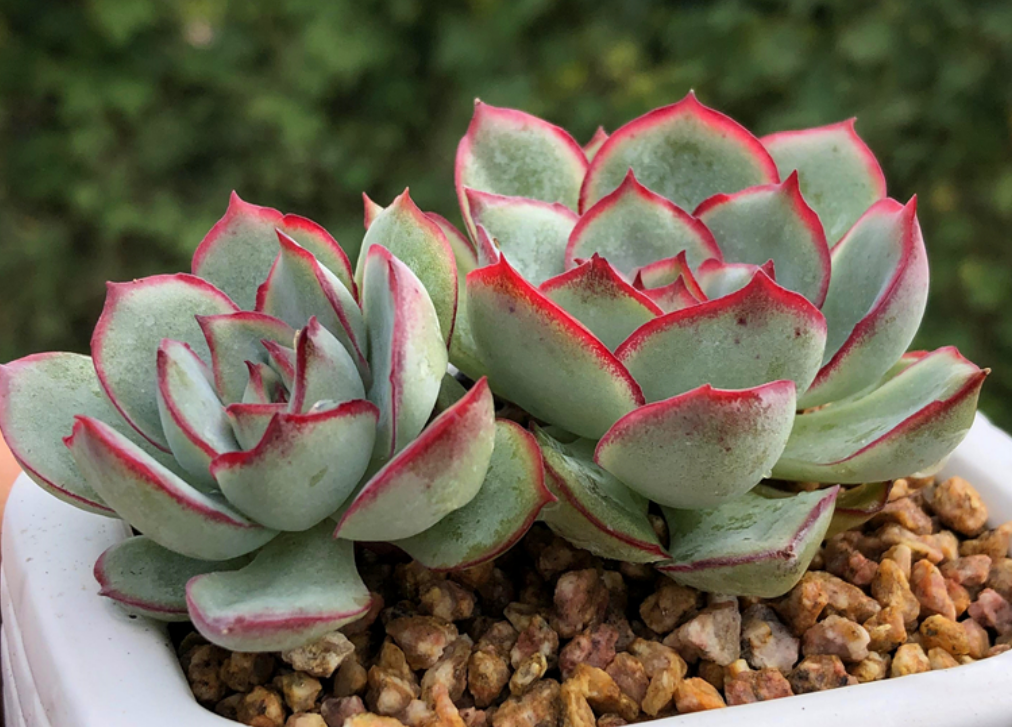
(677, 312)
(243, 416)
(692, 310)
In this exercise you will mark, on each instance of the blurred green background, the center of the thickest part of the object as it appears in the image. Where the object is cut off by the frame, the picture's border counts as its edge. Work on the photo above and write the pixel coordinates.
(125, 123)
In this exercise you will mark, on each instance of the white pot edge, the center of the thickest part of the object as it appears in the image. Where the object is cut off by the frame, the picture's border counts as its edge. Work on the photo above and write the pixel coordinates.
(72, 659)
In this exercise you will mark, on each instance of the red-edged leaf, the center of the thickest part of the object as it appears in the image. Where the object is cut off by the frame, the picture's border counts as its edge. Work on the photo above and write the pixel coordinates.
(908, 424)
(409, 356)
(39, 397)
(513, 153)
(840, 176)
(685, 152)
(876, 300)
(303, 468)
(282, 361)
(324, 371)
(249, 421)
(149, 580)
(700, 448)
(439, 472)
(542, 358)
(775, 223)
(505, 507)
(136, 317)
(717, 279)
(593, 510)
(418, 241)
(749, 546)
(234, 339)
(300, 587)
(265, 385)
(633, 227)
(372, 210)
(672, 297)
(664, 272)
(193, 417)
(595, 295)
(592, 147)
(238, 252)
(299, 287)
(530, 233)
(155, 501)
(758, 334)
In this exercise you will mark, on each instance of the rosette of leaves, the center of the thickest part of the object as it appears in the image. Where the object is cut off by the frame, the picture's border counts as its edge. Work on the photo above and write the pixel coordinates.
(256, 417)
(693, 309)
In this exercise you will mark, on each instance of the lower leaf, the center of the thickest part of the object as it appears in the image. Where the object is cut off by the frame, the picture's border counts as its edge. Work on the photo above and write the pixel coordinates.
(298, 588)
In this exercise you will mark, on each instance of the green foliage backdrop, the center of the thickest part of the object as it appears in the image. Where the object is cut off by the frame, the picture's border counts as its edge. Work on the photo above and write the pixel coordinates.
(125, 123)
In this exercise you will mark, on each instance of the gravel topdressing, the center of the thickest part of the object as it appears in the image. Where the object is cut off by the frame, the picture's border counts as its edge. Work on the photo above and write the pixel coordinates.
(549, 634)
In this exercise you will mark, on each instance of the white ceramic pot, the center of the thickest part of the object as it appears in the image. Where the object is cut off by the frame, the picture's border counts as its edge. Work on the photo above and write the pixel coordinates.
(72, 659)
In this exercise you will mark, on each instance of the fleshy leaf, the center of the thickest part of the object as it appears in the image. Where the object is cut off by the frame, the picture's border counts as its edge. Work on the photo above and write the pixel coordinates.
(530, 233)
(149, 580)
(542, 359)
(857, 505)
(372, 210)
(595, 295)
(282, 360)
(592, 147)
(234, 339)
(750, 546)
(39, 397)
(717, 279)
(876, 300)
(908, 424)
(238, 252)
(700, 448)
(265, 385)
(840, 176)
(193, 417)
(303, 468)
(758, 334)
(515, 154)
(463, 250)
(249, 421)
(594, 510)
(666, 271)
(136, 317)
(324, 370)
(505, 507)
(775, 223)
(685, 152)
(152, 499)
(299, 287)
(632, 227)
(409, 356)
(417, 240)
(439, 472)
(672, 297)
(298, 588)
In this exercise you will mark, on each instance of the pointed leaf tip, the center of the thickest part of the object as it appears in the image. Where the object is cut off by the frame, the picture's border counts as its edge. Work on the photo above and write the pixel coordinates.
(703, 447)
(513, 153)
(686, 152)
(749, 546)
(541, 358)
(773, 222)
(839, 174)
(439, 472)
(758, 334)
(633, 227)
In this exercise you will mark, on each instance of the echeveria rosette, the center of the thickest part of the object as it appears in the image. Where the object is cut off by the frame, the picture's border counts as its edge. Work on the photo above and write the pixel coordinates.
(253, 418)
(696, 309)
